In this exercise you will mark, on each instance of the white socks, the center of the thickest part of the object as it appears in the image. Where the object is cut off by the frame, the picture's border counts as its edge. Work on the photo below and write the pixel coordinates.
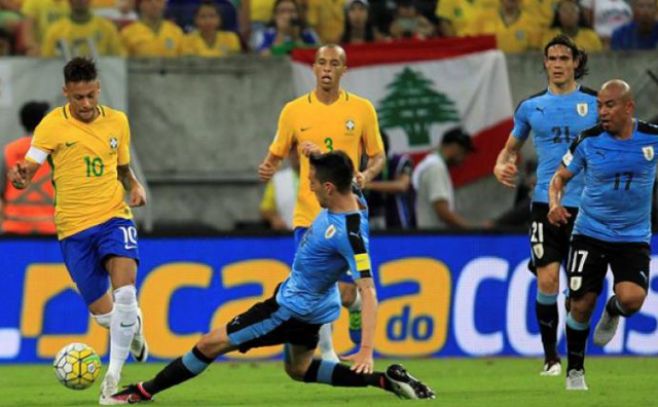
(326, 344)
(123, 326)
(104, 320)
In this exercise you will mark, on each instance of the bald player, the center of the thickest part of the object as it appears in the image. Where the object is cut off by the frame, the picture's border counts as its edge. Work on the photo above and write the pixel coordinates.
(612, 227)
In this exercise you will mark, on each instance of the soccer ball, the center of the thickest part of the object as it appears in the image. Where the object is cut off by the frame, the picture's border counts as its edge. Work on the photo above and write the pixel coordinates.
(77, 366)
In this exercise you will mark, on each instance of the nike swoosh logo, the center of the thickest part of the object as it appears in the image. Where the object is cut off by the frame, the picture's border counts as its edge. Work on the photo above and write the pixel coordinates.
(129, 247)
(305, 128)
(124, 325)
(70, 143)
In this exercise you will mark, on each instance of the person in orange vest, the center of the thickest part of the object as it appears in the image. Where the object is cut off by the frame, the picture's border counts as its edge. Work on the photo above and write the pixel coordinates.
(30, 210)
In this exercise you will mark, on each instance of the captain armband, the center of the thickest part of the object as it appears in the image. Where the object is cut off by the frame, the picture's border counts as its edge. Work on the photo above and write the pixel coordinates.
(36, 155)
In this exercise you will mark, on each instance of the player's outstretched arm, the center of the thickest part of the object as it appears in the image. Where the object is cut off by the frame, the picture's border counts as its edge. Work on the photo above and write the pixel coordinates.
(127, 178)
(268, 167)
(20, 175)
(505, 169)
(557, 213)
(362, 361)
(375, 165)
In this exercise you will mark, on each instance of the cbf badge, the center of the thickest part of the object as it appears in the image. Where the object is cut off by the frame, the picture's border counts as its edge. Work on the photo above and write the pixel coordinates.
(350, 125)
(582, 109)
(114, 143)
(648, 152)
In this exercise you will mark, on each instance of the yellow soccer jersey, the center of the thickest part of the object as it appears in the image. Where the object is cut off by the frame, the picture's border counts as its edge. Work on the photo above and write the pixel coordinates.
(99, 31)
(140, 40)
(520, 36)
(84, 158)
(461, 13)
(586, 39)
(44, 13)
(541, 11)
(226, 43)
(349, 124)
(327, 17)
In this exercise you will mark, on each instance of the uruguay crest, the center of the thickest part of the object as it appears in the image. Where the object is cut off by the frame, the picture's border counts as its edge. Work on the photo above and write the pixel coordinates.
(648, 152)
(538, 250)
(582, 109)
(330, 232)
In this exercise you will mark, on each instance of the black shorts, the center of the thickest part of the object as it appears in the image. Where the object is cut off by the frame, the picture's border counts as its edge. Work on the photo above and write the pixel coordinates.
(589, 259)
(548, 243)
(267, 324)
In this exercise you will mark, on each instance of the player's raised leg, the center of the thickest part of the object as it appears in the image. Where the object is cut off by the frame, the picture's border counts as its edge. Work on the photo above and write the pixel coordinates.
(627, 301)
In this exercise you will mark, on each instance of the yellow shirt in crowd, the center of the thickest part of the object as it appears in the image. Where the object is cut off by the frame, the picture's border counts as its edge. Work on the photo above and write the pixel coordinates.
(226, 43)
(84, 158)
(140, 40)
(44, 13)
(99, 31)
(349, 124)
(261, 10)
(461, 13)
(541, 11)
(586, 39)
(327, 17)
(522, 35)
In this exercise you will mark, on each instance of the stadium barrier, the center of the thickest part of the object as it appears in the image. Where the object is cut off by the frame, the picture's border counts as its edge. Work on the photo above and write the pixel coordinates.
(440, 295)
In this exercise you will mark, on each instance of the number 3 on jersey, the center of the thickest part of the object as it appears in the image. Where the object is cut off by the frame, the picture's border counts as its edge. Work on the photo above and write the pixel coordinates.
(329, 143)
(95, 166)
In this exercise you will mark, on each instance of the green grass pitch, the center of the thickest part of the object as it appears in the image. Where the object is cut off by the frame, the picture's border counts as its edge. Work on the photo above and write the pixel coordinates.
(457, 382)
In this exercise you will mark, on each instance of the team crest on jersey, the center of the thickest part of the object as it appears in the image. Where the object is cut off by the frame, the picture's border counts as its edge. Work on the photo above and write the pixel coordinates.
(648, 152)
(350, 125)
(330, 232)
(575, 283)
(114, 143)
(538, 250)
(582, 109)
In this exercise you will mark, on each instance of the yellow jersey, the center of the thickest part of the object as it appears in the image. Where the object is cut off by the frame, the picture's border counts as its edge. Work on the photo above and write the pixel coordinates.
(84, 158)
(461, 13)
(98, 30)
(349, 124)
(140, 40)
(226, 43)
(520, 36)
(327, 18)
(541, 11)
(261, 10)
(44, 13)
(586, 39)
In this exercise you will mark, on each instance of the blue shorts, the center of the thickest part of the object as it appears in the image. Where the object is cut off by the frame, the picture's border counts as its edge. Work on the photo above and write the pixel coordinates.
(86, 251)
(345, 277)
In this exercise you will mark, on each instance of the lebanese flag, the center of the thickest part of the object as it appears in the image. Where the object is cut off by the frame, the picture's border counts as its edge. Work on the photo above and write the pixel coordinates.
(421, 89)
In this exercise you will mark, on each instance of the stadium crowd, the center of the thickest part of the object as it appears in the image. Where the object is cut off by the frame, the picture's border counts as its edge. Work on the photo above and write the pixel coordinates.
(216, 28)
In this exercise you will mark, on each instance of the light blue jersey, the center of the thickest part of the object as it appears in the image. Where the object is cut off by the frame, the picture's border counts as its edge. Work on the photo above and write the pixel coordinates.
(555, 121)
(619, 178)
(335, 242)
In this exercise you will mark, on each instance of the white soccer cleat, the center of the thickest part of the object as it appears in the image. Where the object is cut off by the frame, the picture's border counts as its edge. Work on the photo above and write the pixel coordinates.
(576, 380)
(605, 328)
(138, 347)
(406, 386)
(553, 368)
(109, 386)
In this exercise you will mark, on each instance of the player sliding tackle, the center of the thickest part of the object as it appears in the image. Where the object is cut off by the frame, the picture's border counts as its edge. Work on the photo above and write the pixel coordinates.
(308, 298)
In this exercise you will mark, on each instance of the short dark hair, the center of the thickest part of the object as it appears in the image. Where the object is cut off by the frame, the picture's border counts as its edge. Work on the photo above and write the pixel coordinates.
(576, 53)
(208, 3)
(335, 167)
(80, 69)
(31, 114)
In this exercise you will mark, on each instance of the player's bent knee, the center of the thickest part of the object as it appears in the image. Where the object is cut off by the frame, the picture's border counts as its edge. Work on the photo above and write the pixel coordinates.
(296, 372)
(632, 304)
(347, 293)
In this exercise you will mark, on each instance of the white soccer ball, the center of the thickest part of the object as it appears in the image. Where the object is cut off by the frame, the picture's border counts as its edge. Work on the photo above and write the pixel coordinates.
(77, 366)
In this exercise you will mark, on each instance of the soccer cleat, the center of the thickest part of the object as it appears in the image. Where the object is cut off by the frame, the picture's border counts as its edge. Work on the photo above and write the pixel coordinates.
(406, 386)
(552, 368)
(576, 380)
(138, 347)
(355, 327)
(109, 386)
(131, 394)
(605, 328)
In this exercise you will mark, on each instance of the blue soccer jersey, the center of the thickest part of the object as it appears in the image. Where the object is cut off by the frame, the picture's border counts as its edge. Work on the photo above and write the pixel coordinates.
(555, 121)
(619, 177)
(335, 242)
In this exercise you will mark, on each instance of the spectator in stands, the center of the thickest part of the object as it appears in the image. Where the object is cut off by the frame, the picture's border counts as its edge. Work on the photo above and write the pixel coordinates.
(358, 25)
(390, 195)
(570, 20)
(642, 32)
(327, 19)
(287, 31)
(409, 23)
(122, 13)
(456, 16)
(152, 35)
(280, 195)
(208, 40)
(12, 25)
(519, 215)
(39, 15)
(30, 210)
(261, 15)
(435, 200)
(606, 16)
(541, 11)
(81, 34)
(6, 43)
(515, 31)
